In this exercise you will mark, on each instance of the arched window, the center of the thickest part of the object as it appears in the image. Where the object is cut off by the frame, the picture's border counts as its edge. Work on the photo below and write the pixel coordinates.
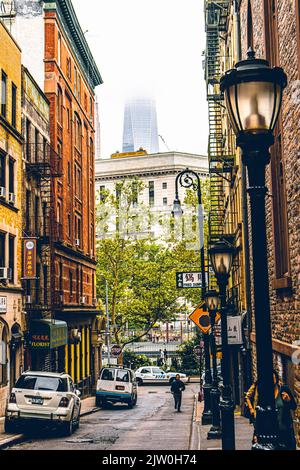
(3, 354)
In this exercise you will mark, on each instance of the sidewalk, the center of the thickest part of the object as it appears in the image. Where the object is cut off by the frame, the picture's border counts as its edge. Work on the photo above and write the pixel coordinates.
(87, 407)
(243, 433)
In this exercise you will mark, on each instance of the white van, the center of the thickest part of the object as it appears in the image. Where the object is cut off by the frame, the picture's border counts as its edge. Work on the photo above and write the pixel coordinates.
(116, 385)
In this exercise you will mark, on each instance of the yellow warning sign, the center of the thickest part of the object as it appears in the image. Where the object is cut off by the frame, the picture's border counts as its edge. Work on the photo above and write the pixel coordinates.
(200, 317)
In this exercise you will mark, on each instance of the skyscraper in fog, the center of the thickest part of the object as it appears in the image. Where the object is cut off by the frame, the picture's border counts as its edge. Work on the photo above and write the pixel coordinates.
(140, 126)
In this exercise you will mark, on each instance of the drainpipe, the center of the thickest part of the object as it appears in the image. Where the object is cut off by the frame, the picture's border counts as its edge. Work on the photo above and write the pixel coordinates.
(237, 33)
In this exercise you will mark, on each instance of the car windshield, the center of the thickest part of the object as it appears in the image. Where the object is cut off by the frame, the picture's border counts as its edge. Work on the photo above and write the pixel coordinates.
(122, 376)
(108, 374)
(38, 382)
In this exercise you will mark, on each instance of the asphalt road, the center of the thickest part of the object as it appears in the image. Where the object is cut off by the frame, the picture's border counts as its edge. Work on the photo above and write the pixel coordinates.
(152, 425)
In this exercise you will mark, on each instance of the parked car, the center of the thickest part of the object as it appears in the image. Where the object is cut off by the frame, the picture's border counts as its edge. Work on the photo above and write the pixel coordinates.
(43, 398)
(116, 384)
(151, 374)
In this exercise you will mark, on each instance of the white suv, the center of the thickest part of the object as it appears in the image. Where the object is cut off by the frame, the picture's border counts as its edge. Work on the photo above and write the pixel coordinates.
(43, 397)
(115, 385)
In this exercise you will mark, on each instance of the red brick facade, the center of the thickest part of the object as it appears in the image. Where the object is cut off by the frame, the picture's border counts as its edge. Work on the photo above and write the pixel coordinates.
(72, 137)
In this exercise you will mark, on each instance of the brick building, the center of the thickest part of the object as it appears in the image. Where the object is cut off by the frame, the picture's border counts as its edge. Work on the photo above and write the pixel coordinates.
(11, 309)
(273, 28)
(61, 62)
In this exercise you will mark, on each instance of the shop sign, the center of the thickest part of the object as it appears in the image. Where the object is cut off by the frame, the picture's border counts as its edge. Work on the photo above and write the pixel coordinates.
(48, 334)
(29, 258)
(234, 330)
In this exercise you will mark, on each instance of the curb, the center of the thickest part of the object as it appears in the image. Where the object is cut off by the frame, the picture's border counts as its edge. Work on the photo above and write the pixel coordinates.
(18, 438)
(195, 442)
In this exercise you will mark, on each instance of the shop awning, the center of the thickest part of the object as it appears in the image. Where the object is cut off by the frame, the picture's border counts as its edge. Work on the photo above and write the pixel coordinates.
(48, 334)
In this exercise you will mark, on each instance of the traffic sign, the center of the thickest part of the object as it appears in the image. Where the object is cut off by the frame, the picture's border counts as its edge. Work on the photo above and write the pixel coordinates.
(201, 318)
(186, 280)
(116, 350)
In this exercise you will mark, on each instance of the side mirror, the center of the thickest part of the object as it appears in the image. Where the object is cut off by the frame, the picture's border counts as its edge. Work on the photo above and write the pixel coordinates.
(78, 393)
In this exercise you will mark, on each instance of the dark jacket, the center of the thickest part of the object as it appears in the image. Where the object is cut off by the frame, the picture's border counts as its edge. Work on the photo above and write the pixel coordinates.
(177, 387)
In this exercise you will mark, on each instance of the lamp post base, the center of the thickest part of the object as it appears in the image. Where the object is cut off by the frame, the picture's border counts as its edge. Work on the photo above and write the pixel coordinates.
(215, 431)
(266, 426)
(227, 407)
(207, 412)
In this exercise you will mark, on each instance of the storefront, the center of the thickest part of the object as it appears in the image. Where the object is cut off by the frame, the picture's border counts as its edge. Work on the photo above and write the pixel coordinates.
(47, 341)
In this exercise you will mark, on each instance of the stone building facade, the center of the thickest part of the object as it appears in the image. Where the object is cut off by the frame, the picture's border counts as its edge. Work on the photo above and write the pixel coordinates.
(11, 308)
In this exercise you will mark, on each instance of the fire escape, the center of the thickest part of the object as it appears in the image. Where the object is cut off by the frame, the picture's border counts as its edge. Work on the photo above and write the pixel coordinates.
(43, 165)
(221, 153)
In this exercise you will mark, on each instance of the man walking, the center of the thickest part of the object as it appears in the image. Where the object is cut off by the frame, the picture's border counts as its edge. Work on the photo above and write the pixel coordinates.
(177, 388)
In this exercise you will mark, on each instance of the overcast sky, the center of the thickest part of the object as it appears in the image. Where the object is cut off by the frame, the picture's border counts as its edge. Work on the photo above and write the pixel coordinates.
(151, 47)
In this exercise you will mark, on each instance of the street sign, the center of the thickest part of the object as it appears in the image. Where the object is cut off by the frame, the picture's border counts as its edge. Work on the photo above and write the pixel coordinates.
(116, 350)
(200, 317)
(234, 331)
(186, 280)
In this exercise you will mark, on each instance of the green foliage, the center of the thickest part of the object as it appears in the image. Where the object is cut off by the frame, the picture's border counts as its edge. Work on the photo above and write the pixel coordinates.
(134, 360)
(188, 359)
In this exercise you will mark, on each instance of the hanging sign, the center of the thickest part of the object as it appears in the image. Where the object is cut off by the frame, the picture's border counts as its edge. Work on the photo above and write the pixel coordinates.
(29, 258)
(234, 330)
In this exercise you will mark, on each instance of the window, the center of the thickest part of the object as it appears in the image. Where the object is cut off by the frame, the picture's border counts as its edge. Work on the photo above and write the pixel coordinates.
(3, 94)
(280, 222)
(69, 225)
(28, 205)
(2, 171)
(85, 102)
(122, 376)
(45, 270)
(69, 68)
(71, 284)
(108, 374)
(151, 193)
(36, 145)
(59, 106)
(11, 259)
(39, 382)
(3, 367)
(165, 201)
(102, 193)
(91, 108)
(2, 249)
(28, 140)
(78, 132)
(59, 49)
(13, 105)
(11, 176)
(78, 182)
(165, 185)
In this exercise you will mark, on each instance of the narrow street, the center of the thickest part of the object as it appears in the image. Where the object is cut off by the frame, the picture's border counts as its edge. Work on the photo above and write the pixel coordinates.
(151, 425)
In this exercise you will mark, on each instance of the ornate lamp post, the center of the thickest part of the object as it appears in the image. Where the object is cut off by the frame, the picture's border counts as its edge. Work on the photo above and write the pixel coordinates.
(212, 304)
(253, 92)
(221, 255)
(190, 180)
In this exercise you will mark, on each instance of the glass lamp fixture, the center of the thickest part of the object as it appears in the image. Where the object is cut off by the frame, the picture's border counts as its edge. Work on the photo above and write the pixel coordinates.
(177, 209)
(253, 95)
(221, 256)
(212, 300)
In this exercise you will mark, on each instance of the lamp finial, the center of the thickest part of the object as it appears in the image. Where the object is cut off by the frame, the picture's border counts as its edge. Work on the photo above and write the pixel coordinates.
(250, 53)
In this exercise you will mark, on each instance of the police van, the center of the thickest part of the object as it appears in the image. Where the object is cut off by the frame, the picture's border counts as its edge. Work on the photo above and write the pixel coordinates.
(116, 385)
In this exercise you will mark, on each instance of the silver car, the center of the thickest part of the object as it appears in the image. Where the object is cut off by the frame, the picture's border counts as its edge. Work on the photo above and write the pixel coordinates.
(43, 397)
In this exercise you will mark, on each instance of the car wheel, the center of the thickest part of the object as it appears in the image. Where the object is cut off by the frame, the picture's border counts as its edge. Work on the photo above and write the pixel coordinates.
(139, 381)
(78, 419)
(9, 426)
(98, 402)
(68, 427)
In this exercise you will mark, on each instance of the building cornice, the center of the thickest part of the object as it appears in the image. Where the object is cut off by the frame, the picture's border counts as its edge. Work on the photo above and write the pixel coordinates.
(67, 16)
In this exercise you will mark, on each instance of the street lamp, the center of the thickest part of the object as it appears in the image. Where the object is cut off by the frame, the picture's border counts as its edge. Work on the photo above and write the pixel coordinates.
(253, 92)
(212, 301)
(189, 179)
(221, 256)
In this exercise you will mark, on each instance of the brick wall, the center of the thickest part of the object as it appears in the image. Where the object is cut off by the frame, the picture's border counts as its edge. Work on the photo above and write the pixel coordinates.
(285, 304)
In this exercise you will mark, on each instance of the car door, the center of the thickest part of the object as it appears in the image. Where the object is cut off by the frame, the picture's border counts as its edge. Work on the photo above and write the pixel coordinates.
(146, 374)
